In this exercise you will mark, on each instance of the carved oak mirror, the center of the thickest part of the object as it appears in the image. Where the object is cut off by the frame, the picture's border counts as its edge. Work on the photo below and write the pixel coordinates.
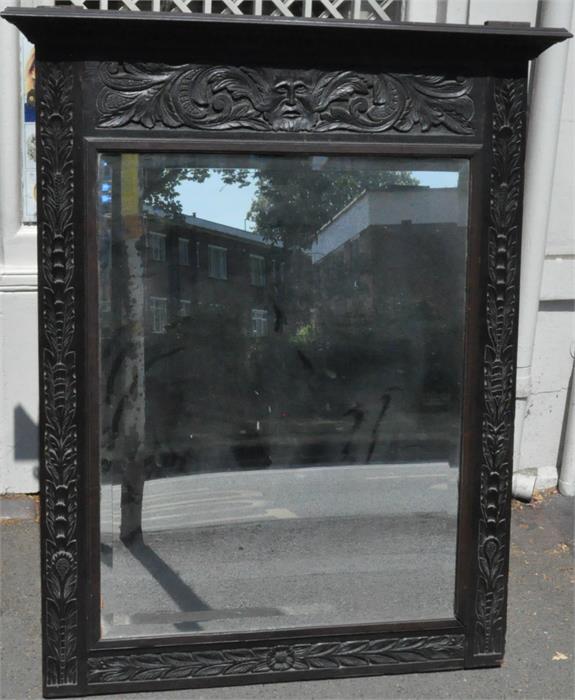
(278, 294)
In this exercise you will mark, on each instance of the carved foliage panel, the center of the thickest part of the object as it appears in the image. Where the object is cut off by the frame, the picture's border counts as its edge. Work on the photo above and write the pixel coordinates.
(217, 98)
(499, 364)
(58, 373)
(257, 661)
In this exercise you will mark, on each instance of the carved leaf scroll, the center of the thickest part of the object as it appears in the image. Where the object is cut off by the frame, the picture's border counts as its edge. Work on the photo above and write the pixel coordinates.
(499, 364)
(280, 100)
(260, 660)
(58, 367)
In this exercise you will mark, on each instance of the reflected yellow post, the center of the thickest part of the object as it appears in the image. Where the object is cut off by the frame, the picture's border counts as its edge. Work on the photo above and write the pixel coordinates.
(131, 433)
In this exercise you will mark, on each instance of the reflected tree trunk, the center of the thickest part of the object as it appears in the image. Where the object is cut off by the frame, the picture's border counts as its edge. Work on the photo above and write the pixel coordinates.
(130, 417)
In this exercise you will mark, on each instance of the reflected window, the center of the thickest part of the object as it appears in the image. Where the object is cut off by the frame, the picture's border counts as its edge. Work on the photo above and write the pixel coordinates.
(183, 251)
(217, 262)
(259, 322)
(105, 304)
(157, 245)
(258, 270)
(184, 308)
(159, 314)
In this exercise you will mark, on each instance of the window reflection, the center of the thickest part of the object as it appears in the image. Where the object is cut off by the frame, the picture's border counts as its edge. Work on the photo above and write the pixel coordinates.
(281, 370)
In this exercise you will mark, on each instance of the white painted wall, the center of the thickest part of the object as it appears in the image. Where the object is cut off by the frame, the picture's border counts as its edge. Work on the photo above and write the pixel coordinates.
(545, 412)
(555, 333)
(18, 283)
(481, 11)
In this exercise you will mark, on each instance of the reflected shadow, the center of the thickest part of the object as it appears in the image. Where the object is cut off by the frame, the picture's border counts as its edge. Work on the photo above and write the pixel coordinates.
(180, 592)
(106, 554)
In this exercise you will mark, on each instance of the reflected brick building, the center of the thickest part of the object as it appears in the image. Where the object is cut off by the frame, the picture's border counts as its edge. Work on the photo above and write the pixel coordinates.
(390, 270)
(203, 263)
(212, 294)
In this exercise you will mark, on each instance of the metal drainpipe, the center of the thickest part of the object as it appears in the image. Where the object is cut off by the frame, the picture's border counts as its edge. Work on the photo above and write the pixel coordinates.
(547, 85)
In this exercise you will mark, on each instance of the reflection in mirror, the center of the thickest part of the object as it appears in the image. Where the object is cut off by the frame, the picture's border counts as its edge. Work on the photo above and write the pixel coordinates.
(281, 363)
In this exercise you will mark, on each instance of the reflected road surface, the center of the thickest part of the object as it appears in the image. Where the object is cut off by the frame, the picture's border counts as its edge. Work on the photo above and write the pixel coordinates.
(238, 551)
(310, 492)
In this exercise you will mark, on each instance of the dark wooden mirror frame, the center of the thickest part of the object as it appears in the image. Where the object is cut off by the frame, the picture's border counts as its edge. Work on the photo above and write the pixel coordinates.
(449, 91)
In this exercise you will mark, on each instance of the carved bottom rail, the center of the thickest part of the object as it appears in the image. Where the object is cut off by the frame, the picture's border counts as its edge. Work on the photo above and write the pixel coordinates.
(159, 666)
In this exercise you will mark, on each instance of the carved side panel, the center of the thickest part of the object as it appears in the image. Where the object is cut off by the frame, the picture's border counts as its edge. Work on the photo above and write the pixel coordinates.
(218, 98)
(58, 373)
(499, 365)
(226, 663)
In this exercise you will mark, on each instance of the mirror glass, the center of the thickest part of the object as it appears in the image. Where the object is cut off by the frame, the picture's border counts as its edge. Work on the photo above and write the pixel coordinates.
(281, 368)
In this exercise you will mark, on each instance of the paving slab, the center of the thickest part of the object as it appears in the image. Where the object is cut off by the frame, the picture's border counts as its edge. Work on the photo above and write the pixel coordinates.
(540, 643)
(18, 508)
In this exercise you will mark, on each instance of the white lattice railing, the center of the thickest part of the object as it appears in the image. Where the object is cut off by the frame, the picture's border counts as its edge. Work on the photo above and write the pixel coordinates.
(342, 9)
